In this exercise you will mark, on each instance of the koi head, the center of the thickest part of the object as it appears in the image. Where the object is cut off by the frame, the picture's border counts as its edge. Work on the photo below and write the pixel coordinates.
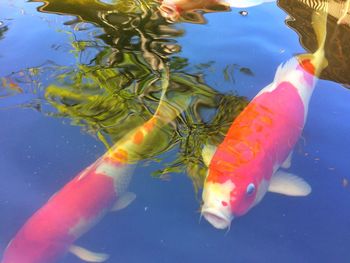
(225, 201)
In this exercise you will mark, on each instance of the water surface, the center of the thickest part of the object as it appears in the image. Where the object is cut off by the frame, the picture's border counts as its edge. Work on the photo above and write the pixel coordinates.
(77, 75)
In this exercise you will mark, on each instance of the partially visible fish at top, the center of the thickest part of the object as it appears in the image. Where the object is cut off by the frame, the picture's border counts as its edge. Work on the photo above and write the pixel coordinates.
(173, 10)
(260, 141)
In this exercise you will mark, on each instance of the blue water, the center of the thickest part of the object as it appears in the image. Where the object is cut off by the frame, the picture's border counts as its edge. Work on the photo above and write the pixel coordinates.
(39, 153)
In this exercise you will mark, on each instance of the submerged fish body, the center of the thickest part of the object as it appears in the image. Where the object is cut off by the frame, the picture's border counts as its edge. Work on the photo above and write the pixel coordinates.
(174, 9)
(259, 141)
(71, 212)
(80, 204)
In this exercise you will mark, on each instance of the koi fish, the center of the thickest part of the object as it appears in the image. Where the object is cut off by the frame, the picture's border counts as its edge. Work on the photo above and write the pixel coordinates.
(79, 205)
(260, 141)
(172, 10)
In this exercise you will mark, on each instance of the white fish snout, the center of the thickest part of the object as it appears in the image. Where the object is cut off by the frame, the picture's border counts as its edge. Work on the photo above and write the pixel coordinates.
(216, 218)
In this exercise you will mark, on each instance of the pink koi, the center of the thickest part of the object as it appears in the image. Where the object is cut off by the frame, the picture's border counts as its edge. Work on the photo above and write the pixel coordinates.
(260, 141)
(174, 9)
(79, 205)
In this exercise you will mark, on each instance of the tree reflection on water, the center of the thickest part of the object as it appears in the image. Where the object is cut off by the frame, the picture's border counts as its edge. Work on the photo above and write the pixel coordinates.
(121, 50)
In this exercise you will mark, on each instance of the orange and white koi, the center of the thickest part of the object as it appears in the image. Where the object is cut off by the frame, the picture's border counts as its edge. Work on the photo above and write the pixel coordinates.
(81, 203)
(260, 141)
(174, 9)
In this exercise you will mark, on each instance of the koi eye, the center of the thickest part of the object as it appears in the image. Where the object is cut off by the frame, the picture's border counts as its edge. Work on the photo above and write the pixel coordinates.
(250, 189)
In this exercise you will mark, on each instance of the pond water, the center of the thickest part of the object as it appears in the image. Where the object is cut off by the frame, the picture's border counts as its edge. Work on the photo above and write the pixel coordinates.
(77, 76)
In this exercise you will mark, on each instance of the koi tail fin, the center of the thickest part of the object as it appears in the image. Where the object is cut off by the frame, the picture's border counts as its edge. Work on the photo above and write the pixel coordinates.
(316, 62)
(171, 104)
(137, 144)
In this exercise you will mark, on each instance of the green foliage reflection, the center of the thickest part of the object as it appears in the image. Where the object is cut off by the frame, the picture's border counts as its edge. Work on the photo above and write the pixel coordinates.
(116, 83)
(105, 102)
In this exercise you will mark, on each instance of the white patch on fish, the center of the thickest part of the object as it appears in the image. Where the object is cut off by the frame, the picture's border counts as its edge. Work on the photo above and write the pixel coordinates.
(213, 209)
(121, 175)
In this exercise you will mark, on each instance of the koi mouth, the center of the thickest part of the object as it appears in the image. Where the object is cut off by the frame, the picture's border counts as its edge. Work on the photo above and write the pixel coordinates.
(215, 218)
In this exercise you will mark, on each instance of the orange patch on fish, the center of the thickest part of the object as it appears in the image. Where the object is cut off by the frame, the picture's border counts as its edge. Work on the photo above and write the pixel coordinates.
(120, 156)
(307, 66)
(243, 131)
(148, 126)
(138, 137)
(214, 176)
(227, 166)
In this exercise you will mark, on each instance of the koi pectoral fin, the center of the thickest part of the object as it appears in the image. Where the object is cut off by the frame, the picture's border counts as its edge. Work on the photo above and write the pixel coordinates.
(124, 201)
(289, 184)
(87, 255)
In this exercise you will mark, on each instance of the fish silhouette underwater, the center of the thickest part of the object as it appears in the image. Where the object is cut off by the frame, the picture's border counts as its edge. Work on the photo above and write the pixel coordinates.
(86, 199)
